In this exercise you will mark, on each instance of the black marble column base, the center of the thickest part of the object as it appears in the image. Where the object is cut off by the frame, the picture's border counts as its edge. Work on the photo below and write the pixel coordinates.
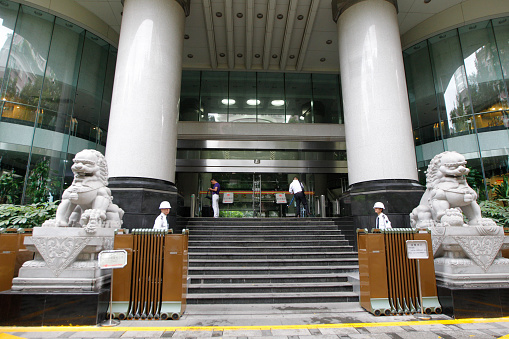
(140, 199)
(399, 196)
(53, 308)
(462, 303)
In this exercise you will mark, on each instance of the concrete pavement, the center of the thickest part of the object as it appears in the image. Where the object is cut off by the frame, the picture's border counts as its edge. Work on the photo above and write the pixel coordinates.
(277, 321)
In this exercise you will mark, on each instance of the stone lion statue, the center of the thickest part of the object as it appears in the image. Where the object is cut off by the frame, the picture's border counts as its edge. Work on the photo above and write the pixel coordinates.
(446, 191)
(88, 202)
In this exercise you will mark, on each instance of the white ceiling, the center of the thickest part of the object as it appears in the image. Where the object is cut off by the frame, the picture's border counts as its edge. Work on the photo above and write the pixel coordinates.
(303, 39)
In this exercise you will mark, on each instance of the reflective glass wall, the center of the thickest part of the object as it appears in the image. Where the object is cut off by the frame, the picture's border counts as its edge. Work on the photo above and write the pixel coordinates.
(458, 90)
(216, 96)
(57, 81)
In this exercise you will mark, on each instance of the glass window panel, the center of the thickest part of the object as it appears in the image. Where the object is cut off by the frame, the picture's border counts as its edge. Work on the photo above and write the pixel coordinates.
(421, 94)
(214, 96)
(242, 94)
(326, 100)
(501, 29)
(483, 70)
(190, 109)
(29, 53)
(451, 85)
(271, 93)
(108, 91)
(13, 164)
(87, 108)
(8, 15)
(298, 97)
(59, 87)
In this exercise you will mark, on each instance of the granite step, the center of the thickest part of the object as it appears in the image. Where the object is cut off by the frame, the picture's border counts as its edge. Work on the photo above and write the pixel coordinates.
(271, 255)
(233, 270)
(268, 243)
(213, 262)
(270, 298)
(194, 248)
(272, 287)
(273, 278)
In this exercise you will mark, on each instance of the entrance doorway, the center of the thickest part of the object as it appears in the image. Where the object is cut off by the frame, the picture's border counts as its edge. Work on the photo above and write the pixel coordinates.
(254, 194)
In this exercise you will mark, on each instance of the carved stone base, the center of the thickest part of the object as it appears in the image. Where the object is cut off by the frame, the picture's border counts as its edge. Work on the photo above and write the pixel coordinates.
(465, 273)
(65, 260)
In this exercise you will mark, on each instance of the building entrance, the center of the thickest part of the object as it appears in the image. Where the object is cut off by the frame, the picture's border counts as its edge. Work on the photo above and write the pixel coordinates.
(253, 195)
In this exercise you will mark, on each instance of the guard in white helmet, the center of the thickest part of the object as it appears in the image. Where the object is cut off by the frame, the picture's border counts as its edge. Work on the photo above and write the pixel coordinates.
(161, 222)
(382, 221)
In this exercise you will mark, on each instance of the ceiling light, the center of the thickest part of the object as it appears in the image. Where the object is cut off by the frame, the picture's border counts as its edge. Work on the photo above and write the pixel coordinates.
(228, 102)
(253, 102)
(277, 102)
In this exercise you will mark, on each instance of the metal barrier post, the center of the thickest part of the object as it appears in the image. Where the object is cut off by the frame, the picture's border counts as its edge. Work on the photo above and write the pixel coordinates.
(193, 205)
(322, 205)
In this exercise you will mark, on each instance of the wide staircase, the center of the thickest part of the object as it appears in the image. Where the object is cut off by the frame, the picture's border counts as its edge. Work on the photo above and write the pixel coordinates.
(271, 261)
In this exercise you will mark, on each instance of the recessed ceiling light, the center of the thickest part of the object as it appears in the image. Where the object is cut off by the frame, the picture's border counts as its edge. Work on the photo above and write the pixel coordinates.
(240, 15)
(239, 55)
(280, 16)
(322, 59)
(277, 102)
(274, 56)
(219, 14)
(257, 55)
(300, 17)
(222, 55)
(328, 42)
(253, 102)
(259, 15)
(228, 102)
(186, 36)
(190, 56)
(292, 56)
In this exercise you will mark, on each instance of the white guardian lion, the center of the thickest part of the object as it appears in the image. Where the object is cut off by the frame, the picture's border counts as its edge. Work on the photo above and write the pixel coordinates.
(88, 202)
(446, 191)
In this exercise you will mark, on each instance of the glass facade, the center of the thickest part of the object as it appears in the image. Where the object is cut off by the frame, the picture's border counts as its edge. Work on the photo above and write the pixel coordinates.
(57, 81)
(458, 91)
(219, 96)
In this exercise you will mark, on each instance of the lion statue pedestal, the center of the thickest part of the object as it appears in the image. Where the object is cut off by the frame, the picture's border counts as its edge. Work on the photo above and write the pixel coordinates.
(66, 248)
(470, 270)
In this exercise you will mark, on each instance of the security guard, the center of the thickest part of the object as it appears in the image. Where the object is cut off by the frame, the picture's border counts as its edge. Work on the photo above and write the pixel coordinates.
(382, 221)
(161, 223)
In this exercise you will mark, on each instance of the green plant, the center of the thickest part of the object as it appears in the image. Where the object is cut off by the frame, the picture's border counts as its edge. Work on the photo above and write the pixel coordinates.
(495, 211)
(476, 181)
(42, 183)
(26, 216)
(10, 187)
(501, 191)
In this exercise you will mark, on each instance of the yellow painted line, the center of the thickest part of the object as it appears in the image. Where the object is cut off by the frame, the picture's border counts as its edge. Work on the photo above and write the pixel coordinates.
(9, 336)
(233, 328)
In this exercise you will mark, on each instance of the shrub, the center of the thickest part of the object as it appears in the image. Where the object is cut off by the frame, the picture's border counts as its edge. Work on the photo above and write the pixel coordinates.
(495, 211)
(26, 216)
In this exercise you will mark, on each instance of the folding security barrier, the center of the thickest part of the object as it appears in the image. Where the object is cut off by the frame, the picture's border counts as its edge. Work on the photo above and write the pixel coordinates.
(388, 279)
(12, 255)
(153, 284)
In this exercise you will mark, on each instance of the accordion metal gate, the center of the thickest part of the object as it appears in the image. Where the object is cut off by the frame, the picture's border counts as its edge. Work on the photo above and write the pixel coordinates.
(153, 284)
(388, 279)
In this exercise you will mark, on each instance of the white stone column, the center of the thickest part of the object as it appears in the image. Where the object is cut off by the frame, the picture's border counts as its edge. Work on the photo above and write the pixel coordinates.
(142, 131)
(378, 128)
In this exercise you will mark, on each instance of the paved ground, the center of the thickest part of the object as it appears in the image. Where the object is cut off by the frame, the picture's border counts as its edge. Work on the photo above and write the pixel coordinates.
(289, 321)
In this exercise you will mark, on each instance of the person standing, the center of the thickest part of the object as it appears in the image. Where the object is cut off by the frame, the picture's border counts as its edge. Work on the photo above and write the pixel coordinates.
(297, 189)
(215, 189)
(382, 221)
(161, 223)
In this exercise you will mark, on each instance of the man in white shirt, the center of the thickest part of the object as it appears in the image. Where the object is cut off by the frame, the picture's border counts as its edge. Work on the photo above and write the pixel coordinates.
(297, 190)
(382, 221)
(161, 223)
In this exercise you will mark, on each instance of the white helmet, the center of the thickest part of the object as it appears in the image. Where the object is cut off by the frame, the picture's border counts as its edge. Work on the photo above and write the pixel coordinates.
(378, 204)
(164, 204)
